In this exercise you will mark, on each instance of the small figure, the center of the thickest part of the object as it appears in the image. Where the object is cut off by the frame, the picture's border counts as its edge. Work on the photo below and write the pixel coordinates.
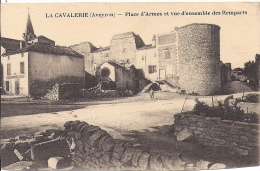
(151, 92)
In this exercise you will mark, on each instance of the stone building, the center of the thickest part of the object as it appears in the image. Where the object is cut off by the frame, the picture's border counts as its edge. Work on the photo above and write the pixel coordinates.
(34, 65)
(187, 58)
(225, 69)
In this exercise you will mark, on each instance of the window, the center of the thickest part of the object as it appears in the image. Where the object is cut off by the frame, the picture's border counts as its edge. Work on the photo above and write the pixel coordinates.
(107, 55)
(7, 86)
(166, 54)
(8, 69)
(8, 58)
(22, 67)
(22, 55)
(152, 69)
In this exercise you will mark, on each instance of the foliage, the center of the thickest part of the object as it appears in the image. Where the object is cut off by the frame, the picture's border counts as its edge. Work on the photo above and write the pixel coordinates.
(225, 111)
(250, 70)
(250, 98)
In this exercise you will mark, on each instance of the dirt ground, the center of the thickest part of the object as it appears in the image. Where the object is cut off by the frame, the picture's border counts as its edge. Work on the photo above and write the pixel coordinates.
(138, 119)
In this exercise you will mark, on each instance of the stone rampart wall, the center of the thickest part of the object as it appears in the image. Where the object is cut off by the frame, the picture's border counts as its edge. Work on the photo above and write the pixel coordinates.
(240, 138)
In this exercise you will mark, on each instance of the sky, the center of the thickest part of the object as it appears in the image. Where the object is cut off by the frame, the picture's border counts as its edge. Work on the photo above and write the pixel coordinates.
(239, 35)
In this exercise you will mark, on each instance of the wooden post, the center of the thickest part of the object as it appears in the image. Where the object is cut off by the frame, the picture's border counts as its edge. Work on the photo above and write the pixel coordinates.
(183, 104)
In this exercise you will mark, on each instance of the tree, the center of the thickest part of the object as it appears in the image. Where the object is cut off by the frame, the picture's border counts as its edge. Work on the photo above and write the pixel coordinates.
(250, 70)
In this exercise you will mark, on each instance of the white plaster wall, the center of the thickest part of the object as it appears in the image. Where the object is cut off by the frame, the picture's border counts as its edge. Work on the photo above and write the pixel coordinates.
(112, 70)
(15, 60)
(45, 66)
(147, 57)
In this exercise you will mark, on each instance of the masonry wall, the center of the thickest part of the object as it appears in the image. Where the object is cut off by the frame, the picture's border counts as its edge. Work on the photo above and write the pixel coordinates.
(94, 149)
(167, 43)
(99, 58)
(85, 48)
(45, 70)
(225, 70)
(16, 75)
(124, 79)
(238, 137)
(123, 50)
(199, 58)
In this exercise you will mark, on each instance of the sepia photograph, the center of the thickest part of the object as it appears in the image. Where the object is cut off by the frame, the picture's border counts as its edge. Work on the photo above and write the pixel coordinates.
(130, 86)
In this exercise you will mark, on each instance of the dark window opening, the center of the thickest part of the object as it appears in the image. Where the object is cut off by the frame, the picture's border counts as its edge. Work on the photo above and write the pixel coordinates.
(8, 69)
(166, 54)
(22, 67)
(7, 86)
(152, 69)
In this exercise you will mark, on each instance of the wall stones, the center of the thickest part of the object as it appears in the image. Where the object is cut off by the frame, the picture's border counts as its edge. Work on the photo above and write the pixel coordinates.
(241, 138)
(199, 54)
(96, 149)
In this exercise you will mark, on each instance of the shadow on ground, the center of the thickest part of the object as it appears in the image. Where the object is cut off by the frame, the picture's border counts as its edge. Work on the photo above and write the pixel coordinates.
(162, 141)
(9, 109)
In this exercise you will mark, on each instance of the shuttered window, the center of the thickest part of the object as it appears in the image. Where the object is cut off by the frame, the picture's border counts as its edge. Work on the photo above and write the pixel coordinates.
(7, 86)
(22, 67)
(8, 69)
(152, 69)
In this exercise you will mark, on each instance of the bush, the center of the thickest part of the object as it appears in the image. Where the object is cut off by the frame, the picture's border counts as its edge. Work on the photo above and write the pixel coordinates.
(225, 111)
(252, 98)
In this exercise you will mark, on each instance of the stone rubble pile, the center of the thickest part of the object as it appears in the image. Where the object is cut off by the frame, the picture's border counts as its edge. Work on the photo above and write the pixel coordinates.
(27, 152)
(53, 93)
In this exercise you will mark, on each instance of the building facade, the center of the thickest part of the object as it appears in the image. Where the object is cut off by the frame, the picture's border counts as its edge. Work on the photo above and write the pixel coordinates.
(33, 66)
(188, 58)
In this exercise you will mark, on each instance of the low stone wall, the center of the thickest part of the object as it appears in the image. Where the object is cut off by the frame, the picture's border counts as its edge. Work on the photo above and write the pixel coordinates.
(93, 148)
(238, 137)
(249, 107)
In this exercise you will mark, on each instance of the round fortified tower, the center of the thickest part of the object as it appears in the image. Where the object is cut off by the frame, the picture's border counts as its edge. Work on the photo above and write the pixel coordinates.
(199, 58)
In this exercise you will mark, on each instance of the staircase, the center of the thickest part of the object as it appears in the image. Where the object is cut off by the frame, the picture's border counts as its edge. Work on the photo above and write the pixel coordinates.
(169, 84)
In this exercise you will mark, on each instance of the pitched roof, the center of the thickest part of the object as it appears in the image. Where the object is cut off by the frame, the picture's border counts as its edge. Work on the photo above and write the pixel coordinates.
(92, 47)
(116, 65)
(10, 44)
(46, 48)
(102, 49)
(44, 39)
(147, 47)
(138, 40)
(123, 35)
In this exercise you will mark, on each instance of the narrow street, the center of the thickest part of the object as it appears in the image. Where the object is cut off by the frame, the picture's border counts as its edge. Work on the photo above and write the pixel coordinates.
(236, 87)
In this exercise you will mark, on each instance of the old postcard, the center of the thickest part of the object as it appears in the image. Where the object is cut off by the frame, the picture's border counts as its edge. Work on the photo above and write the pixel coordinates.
(130, 86)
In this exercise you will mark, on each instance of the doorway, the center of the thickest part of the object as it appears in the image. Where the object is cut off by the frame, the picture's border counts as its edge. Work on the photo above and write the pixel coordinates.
(161, 73)
(17, 87)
